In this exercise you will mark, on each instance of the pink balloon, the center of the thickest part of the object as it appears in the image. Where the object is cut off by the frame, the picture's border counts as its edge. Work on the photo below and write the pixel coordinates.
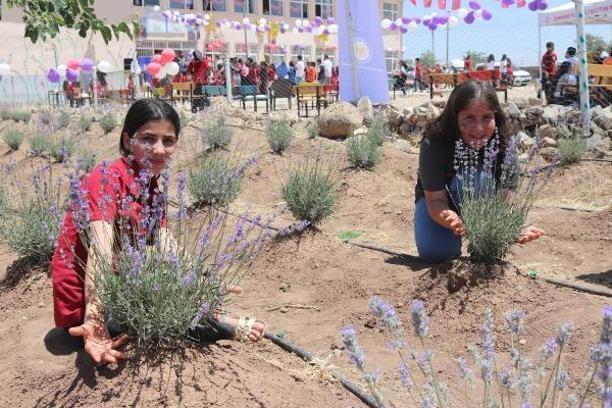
(157, 58)
(153, 68)
(167, 55)
(73, 63)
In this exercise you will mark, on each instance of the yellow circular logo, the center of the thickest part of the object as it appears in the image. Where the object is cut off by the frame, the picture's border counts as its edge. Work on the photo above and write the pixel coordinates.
(362, 51)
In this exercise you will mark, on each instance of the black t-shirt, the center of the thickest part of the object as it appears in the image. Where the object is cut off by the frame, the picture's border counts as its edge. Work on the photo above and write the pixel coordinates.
(436, 168)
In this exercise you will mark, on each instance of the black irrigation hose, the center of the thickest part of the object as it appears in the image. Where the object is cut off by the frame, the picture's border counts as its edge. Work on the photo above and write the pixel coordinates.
(310, 357)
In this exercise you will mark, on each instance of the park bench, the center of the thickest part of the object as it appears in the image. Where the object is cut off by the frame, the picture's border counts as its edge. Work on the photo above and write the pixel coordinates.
(280, 89)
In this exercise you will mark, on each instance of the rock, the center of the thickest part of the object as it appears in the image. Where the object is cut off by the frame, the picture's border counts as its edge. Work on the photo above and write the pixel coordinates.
(535, 102)
(533, 115)
(602, 117)
(364, 105)
(421, 123)
(394, 117)
(521, 103)
(547, 131)
(549, 153)
(549, 142)
(339, 119)
(598, 141)
(513, 110)
(553, 113)
(525, 141)
(403, 145)
(405, 128)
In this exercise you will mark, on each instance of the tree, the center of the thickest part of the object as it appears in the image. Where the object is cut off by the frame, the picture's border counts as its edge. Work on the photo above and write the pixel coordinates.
(44, 18)
(477, 56)
(427, 58)
(594, 41)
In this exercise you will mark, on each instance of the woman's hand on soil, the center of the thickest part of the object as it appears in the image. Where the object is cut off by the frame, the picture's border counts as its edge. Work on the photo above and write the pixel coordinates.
(530, 233)
(453, 222)
(98, 343)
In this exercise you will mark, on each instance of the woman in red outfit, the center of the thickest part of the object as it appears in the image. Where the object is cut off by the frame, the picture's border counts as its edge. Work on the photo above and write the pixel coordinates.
(199, 70)
(114, 197)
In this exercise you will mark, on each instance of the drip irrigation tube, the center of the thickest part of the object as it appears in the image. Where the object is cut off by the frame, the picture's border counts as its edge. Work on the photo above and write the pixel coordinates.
(310, 357)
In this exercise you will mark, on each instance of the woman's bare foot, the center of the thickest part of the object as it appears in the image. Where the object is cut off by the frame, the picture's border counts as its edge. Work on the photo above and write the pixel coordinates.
(257, 327)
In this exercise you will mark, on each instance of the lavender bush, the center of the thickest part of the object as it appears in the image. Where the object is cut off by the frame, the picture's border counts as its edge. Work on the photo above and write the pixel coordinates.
(46, 116)
(217, 135)
(570, 144)
(309, 191)
(85, 160)
(378, 129)
(40, 144)
(161, 286)
(84, 123)
(520, 384)
(312, 129)
(62, 149)
(216, 181)
(13, 138)
(29, 225)
(495, 199)
(279, 134)
(108, 122)
(363, 152)
(64, 119)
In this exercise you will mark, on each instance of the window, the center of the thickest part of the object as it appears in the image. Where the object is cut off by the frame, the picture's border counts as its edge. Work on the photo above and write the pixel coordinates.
(298, 8)
(324, 8)
(244, 6)
(391, 60)
(181, 4)
(241, 51)
(273, 7)
(321, 52)
(276, 54)
(302, 50)
(391, 11)
(146, 3)
(214, 5)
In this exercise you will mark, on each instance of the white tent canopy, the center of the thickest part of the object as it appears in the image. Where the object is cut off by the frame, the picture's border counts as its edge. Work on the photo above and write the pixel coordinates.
(595, 12)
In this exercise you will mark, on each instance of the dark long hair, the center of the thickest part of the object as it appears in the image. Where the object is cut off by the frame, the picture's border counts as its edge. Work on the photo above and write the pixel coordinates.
(146, 110)
(445, 128)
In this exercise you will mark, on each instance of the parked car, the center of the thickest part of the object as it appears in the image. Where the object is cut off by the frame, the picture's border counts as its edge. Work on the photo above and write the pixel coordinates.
(521, 77)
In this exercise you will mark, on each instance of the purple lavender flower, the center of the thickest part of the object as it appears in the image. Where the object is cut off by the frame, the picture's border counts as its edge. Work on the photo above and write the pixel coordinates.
(387, 317)
(488, 346)
(405, 376)
(515, 322)
(80, 205)
(506, 379)
(561, 380)
(182, 182)
(420, 321)
(465, 371)
(202, 311)
(606, 328)
(564, 334)
(349, 339)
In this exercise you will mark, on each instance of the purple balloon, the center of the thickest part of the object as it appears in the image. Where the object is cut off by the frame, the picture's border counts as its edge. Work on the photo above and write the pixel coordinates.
(72, 75)
(309, 29)
(474, 5)
(417, 20)
(432, 26)
(403, 29)
(426, 21)
(300, 29)
(282, 30)
(318, 21)
(486, 15)
(507, 2)
(326, 32)
(87, 65)
(393, 26)
(330, 20)
(405, 20)
(543, 5)
(238, 26)
(53, 76)
(247, 26)
(533, 6)
(439, 20)
(469, 18)
(218, 23)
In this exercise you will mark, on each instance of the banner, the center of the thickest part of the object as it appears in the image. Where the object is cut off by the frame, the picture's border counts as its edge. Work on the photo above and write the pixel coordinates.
(362, 57)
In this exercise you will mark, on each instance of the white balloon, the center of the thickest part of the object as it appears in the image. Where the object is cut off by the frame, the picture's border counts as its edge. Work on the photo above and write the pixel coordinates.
(399, 22)
(246, 20)
(319, 30)
(172, 68)
(228, 24)
(295, 30)
(262, 21)
(333, 28)
(62, 69)
(253, 27)
(104, 66)
(162, 73)
(453, 21)
(298, 23)
(478, 13)
(206, 17)
(462, 12)
(305, 23)
(5, 69)
(385, 23)
(412, 26)
(156, 8)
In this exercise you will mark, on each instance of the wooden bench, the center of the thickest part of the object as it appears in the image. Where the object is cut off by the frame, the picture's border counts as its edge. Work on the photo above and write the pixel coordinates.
(310, 95)
(181, 92)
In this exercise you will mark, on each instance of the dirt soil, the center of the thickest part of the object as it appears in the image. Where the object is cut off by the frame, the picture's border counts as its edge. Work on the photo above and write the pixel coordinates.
(308, 287)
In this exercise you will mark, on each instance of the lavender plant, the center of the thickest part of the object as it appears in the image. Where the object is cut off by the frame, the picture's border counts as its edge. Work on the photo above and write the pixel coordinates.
(62, 149)
(108, 122)
(495, 200)
(40, 144)
(217, 135)
(84, 123)
(161, 287)
(378, 129)
(85, 160)
(29, 225)
(509, 386)
(216, 181)
(312, 129)
(362, 151)
(309, 190)
(13, 138)
(570, 144)
(20, 116)
(64, 119)
(279, 134)
(46, 116)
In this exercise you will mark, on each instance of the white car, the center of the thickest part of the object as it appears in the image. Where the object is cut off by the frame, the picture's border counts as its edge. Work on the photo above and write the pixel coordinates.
(521, 77)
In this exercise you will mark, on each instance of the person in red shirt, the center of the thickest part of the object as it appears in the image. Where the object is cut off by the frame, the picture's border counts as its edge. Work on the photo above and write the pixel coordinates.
(199, 68)
(112, 199)
(253, 76)
(468, 63)
(549, 70)
(311, 72)
(418, 75)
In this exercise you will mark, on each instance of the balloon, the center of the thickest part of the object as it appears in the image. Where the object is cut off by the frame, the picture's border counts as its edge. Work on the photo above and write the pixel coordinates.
(153, 68)
(61, 69)
(262, 21)
(403, 29)
(246, 20)
(72, 75)
(399, 22)
(326, 31)
(507, 3)
(5, 69)
(543, 5)
(318, 21)
(172, 68)
(432, 26)
(305, 23)
(439, 20)
(156, 58)
(469, 19)
(330, 20)
(533, 6)
(405, 20)
(393, 26)
(53, 76)
(295, 30)
(282, 30)
(73, 63)
(333, 28)
(474, 5)
(385, 23)
(462, 12)
(104, 66)
(412, 26)
(155, 8)
(238, 26)
(486, 15)
(477, 14)
(87, 65)
(167, 55)
(298, 23)
(453, 21)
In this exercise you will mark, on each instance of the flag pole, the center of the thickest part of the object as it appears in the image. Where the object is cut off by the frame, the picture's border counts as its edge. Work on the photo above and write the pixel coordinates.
(350, 47)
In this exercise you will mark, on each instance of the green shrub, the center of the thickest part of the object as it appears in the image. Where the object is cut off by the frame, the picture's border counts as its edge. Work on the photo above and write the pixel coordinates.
(217, 135)
(32, 226)
(362, 151)
(13, 138)
(5, 115)
(62, 149)
(309, 191)
(313, 129)
(4, 200)
(21, 116)
(377, 129)
(40, 144)
(84, 123)
(86, 160)
(64, 119)
(46, 116)
(107, 122)
(279, 134)
(571, 145)
(215, 181)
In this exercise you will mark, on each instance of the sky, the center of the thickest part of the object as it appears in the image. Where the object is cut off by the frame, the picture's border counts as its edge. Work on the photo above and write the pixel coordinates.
(512, 31)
